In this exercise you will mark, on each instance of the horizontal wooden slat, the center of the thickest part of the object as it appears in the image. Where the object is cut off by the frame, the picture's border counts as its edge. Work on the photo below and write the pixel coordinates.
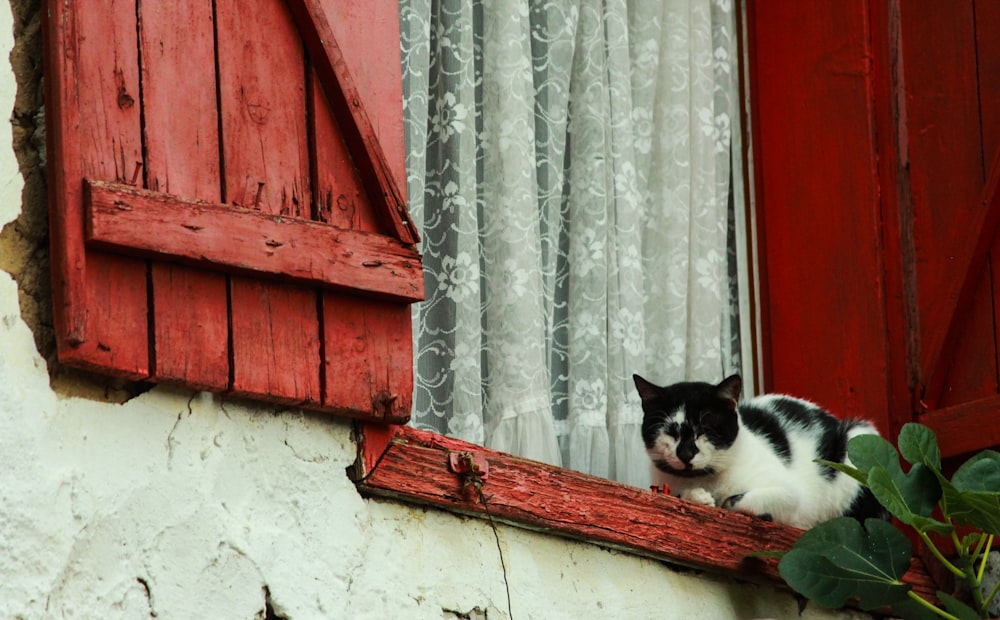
(239, 240)
(966, 427)
(413, 466)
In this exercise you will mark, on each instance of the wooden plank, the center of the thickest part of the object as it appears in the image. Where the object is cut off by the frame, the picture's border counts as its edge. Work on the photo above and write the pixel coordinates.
(278, 359)
(818, 204)
(266, 167)
(897, 248)
(182, 157)
(988, 63)
(957, 294)
(364, 31)
(966, 427)
(367, 348)
(536, 496)
(942, 129)
(99, 308)
(341, 198)
(247, 241)
(355, 123)
(367, 358)
(970, 371)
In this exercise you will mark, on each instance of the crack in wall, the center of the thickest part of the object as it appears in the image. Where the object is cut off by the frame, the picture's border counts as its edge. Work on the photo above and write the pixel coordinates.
(149, 595)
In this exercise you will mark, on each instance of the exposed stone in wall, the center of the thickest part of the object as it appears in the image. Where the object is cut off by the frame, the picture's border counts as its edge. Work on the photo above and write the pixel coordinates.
(24, 243)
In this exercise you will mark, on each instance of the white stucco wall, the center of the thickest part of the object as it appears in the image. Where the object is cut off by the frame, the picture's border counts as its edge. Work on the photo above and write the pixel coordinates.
(181, 505)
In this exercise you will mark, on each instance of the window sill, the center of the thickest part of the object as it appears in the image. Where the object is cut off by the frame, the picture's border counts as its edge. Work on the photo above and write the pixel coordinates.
(414, 466)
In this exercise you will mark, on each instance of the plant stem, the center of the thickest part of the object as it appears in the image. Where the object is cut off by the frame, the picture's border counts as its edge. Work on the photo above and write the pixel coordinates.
(935, 609)
(970, 577)
(986, 555)
(944, 561)
(993, 595)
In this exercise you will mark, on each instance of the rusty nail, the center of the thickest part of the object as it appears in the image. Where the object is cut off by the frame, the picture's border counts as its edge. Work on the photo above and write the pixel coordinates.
(135, 173)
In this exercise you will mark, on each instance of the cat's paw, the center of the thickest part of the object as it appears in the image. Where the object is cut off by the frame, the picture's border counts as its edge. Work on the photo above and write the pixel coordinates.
(747, 505)
(698, 496)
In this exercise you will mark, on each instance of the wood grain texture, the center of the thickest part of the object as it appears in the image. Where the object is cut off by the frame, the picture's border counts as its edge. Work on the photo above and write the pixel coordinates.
(93, 121)
(346, 101)
(367, 357)
(251, 242)
(264, 127)
(277, 359)
(897, 251)
(341, 198)
(182, 157)
(817, 204)
(946, 172)
(414, 467)
(965, 427)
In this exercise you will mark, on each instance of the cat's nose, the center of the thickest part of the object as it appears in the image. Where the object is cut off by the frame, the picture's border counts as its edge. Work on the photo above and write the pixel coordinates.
(686, 452)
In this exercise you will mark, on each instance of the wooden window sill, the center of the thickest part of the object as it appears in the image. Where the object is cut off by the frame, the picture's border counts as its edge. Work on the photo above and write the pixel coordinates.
(410, 465)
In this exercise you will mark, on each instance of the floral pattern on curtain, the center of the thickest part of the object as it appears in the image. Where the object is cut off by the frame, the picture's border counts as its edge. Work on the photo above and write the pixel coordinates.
(569, 166)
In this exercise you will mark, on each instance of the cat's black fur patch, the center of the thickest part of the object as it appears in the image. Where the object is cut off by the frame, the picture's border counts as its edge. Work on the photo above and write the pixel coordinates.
(767, 426)
(865, 506)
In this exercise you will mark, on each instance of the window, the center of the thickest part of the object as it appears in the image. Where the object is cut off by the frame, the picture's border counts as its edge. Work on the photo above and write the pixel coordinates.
(572, 172)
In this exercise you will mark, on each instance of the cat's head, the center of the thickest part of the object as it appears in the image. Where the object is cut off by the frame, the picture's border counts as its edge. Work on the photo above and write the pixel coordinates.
(688, 427)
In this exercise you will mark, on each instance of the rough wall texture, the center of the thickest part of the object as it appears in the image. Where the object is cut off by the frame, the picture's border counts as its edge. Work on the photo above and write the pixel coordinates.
(24, 244)
(181, 505)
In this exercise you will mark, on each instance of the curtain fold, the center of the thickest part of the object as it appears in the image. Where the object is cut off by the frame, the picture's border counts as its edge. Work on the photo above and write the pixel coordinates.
(569, 166)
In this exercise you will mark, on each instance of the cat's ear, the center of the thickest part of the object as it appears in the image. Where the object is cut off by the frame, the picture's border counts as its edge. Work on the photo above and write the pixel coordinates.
(730, 389)
(647, 391)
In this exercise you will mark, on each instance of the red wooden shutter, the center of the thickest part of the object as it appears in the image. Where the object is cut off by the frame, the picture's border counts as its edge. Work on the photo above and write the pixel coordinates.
(877, 156)
(951, 91)
(227, 204)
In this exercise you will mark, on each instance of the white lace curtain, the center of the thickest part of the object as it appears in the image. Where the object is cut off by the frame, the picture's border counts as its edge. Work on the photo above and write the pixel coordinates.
(569, 165)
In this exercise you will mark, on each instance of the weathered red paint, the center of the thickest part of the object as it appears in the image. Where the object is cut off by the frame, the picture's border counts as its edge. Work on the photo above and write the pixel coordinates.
(96, 130)
(824, 329)
(876, 207)
(348, 106)
(415, 465)
(368, 359)
(182, 157)
(210, 271)
(230, 238)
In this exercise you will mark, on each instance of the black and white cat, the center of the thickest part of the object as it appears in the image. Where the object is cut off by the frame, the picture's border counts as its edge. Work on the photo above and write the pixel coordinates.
(757, 458)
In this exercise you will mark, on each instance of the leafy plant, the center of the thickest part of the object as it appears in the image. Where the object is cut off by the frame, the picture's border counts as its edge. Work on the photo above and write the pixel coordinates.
(840, 560)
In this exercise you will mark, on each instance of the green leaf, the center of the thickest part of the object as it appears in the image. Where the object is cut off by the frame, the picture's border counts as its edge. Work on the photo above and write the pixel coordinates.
(929, 524)
(853, 472)
(906, 496)
(838, 560)
(957, 608)
(912, 610)
(980, 510)
(867, 451)
(972, 499)
(917, 444)
(980, 474)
